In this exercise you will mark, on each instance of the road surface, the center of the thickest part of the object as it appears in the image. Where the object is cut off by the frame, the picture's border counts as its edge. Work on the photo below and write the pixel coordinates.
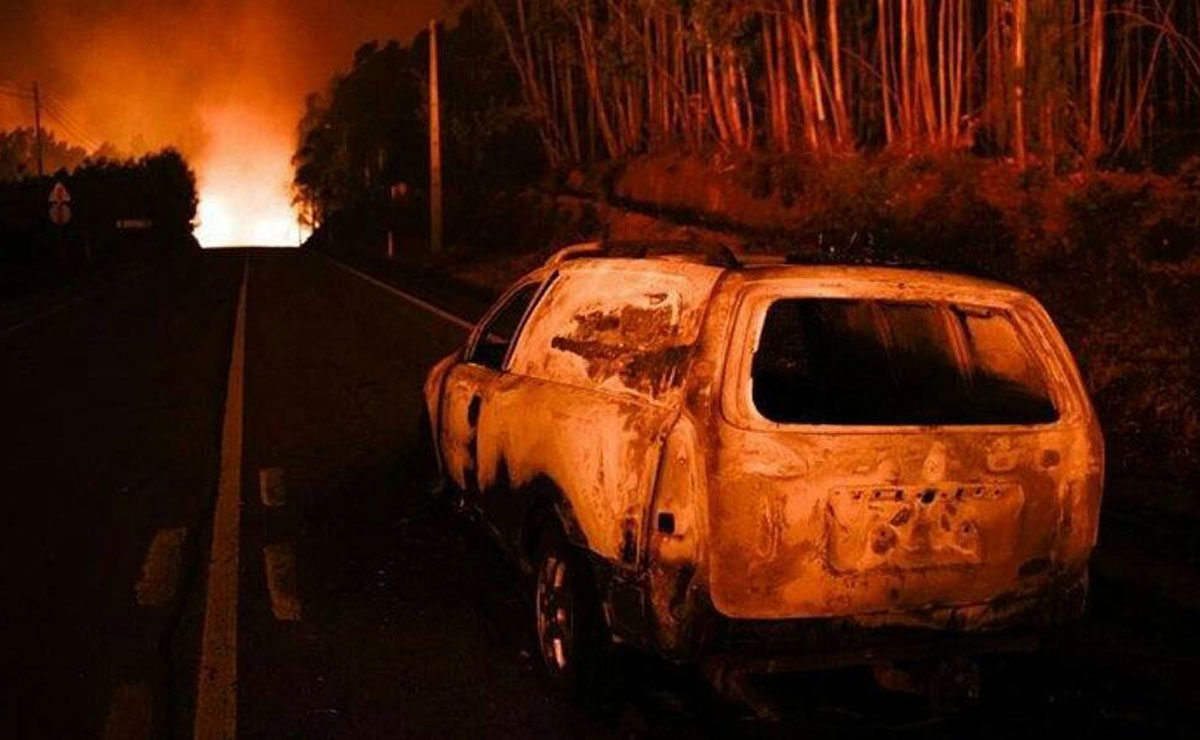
(215, 527)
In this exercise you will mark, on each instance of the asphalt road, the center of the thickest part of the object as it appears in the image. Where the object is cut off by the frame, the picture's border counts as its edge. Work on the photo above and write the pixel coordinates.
(215, 523)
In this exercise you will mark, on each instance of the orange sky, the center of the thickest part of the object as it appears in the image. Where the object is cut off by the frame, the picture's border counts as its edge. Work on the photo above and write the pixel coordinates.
(223, 80)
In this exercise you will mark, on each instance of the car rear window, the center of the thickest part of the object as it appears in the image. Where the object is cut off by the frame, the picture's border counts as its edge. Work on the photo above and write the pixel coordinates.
(865, 362)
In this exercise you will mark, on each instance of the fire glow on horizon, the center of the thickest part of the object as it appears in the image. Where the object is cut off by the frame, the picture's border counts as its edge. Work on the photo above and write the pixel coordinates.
(222, 81)
(243, 181)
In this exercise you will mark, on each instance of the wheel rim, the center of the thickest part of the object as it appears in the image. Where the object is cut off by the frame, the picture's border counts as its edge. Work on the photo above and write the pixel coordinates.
(555, 613)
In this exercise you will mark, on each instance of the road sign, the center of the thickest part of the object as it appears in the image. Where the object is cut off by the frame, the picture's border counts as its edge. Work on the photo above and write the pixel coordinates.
(60, 205)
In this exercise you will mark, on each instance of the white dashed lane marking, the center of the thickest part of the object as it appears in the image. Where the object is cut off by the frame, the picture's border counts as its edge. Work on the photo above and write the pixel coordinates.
(272, 488)
(160, 570)
(280, 563)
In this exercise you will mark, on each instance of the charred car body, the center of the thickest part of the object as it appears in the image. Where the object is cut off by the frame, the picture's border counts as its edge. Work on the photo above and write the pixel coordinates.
(773, 466)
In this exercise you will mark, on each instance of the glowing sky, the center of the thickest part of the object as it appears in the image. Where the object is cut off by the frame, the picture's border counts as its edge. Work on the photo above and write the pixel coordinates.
(222, 80)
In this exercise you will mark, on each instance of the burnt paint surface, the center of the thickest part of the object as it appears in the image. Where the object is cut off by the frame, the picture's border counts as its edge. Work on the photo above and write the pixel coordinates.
(626, 391)
(912, 522)
(640, 345)
(592, 391)
(877, 522)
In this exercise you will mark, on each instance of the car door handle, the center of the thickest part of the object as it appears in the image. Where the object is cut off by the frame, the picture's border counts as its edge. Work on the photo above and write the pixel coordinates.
(473, 409)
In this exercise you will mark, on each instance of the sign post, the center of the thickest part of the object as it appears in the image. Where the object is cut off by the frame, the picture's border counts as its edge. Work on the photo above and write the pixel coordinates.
(60, 205)
(435, 144)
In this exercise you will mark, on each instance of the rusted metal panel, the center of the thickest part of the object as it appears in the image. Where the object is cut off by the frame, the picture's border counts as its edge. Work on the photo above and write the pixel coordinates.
(819, 521)
(597, 449)
(464, 387)
(629, 391)
(434, 384)
(588, 400)
(866, 528)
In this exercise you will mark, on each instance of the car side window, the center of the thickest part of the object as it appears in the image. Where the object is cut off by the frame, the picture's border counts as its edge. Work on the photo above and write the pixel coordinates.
(497, 336)
(617, 329)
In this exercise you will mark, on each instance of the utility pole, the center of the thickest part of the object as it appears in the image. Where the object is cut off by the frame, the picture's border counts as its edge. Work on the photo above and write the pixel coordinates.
(435, 144)
(37, 128)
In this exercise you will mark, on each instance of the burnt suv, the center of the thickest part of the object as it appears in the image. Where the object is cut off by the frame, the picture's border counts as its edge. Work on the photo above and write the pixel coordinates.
(773, 466)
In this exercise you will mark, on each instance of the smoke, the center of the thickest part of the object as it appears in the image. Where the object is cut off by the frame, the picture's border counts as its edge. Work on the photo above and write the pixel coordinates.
(222, 80)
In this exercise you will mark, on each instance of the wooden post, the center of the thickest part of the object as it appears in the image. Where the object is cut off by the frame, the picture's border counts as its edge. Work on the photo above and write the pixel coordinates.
(37, 127)
(435, 145)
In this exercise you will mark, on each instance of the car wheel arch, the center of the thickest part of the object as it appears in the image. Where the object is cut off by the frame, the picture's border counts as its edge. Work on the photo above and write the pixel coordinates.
(547, 507)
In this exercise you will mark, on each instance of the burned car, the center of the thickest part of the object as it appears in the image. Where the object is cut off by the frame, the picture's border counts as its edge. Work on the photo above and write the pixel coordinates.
(767, 466)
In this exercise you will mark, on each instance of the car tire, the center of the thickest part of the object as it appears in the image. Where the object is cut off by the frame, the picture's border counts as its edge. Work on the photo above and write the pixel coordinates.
(568, 624)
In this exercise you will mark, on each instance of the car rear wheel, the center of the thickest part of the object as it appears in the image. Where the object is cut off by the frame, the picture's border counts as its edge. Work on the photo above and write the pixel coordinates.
(567, 617)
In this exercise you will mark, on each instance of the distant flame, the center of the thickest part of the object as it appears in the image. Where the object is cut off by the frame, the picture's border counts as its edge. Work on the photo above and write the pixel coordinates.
(243, 177)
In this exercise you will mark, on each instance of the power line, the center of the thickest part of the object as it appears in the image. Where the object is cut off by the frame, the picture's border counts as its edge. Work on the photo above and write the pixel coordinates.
(37, 129)
(74, 133)
(63, 111)
(70, 124)
(64, 129)
(15, 90)
(55, 110)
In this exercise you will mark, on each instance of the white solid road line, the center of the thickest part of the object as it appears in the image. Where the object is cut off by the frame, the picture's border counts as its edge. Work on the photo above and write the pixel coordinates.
(130, 713)
(160, 570)
(439, 312)
(280, 563)
(216, 683)
(60, 307)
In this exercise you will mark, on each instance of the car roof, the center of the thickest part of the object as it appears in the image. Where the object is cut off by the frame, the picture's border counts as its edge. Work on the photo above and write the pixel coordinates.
(779, 269)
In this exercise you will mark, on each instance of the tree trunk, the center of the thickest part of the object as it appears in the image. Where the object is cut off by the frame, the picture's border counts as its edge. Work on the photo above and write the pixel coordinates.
(803, 90)
(840, 121)
(1095, 140)
(716, 102)
(1020, 18)
(885, 73)
(907, 115)
(583, 24)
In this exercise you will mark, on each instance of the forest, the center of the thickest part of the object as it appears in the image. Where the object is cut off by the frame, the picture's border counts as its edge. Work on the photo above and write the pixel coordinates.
(537, 87)
(1062, 83)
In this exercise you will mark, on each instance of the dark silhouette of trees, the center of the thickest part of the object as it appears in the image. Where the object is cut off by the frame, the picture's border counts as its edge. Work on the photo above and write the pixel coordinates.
(118, 209)
(363, 143)
(18, 153)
